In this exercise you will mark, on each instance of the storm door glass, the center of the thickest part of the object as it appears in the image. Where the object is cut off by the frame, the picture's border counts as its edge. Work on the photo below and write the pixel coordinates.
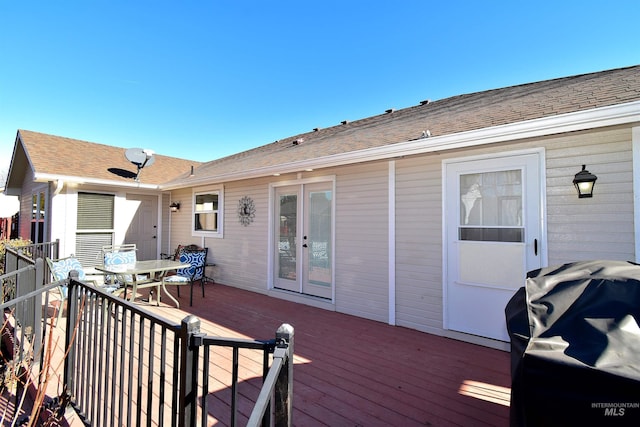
(491, 206)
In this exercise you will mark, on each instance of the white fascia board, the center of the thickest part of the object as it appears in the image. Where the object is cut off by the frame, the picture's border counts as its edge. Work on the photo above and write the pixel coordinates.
(46, 177)
(581, 120)
(570, 122)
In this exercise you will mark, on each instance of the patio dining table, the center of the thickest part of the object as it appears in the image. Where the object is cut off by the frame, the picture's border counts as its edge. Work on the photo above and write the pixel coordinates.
(143, 274)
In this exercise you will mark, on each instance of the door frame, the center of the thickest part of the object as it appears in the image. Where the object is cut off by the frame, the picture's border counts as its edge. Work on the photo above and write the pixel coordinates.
(542, 246)
(330, 180)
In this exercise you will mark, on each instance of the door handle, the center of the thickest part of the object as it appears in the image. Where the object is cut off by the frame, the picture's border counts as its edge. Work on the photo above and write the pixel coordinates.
(305, 246)
(535, 246)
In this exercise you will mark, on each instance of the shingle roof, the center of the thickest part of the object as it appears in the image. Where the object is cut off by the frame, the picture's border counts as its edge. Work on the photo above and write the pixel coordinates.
(69, 157)
(447, 116)
(59, 156)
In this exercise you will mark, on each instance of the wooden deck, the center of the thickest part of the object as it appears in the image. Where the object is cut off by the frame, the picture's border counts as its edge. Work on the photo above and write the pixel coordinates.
(351, 371)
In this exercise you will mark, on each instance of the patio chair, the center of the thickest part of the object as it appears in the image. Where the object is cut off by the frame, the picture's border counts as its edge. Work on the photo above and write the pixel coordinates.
(175, 256)
(60, 269)
(125, 253)
(118, 255)
(197, 258)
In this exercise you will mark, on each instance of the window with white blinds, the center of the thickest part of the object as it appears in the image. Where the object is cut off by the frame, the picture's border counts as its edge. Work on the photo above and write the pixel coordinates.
(95, 227)
(95, 211)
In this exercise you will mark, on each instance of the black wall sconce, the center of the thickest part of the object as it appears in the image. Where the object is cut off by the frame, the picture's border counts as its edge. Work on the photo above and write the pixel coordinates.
(175, 206)
(584, 182)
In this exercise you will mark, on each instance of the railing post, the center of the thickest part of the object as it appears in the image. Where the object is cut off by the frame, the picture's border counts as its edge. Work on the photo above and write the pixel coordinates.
(284, 383)
(36, 319)
(188, 401)
(72, 316)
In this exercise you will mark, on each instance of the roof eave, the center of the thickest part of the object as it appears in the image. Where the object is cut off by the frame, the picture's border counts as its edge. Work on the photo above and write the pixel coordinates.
(46, 177)
(550, 125)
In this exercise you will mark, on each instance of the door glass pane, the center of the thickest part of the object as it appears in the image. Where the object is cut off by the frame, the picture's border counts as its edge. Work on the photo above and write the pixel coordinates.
(491, 206)
(319, 238)
(287, 234)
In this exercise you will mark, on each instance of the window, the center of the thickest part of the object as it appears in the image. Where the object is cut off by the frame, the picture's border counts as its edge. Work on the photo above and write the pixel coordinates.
(37, 217)
(95, 226)
(207, 213)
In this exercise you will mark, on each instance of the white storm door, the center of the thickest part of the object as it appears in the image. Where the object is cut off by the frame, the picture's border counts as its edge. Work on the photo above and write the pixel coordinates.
(493, 237)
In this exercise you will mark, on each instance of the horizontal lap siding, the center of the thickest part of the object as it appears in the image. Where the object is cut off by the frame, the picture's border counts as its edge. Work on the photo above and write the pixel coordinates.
(577, 229)
(419, 243)
(362, 250)
(180, 222)
(166, 224)
(593, 228)
(242, 256)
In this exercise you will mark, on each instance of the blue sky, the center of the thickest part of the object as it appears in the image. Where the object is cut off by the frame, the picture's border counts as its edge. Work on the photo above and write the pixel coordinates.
(202, 79)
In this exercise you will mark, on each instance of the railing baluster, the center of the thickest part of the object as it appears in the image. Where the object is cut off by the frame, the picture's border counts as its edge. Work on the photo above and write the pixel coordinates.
(123, 358)
(266, 419)
(152, 343)
(101, 362)
(177, 366)
(163, 375)
(113, 311)
(91, 413)
(234, 386)
(131, 359)
(140, 369)
(205, 384)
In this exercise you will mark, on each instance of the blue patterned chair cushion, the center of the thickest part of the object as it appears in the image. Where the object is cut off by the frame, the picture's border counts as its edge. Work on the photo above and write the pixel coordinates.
(197, 260)
(61, 268)
(119, 258)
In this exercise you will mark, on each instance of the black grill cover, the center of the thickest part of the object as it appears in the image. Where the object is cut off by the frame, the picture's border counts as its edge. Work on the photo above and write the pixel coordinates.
(575, 346)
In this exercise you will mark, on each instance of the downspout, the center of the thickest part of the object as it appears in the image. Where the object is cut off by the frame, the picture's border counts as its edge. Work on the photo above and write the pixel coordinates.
(50, 217)
(59, 187)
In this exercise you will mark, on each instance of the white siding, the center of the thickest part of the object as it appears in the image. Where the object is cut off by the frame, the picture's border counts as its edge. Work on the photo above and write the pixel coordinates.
(577, 229)
(362, 224)
(242, 255)
(600, 227)
(419, 243)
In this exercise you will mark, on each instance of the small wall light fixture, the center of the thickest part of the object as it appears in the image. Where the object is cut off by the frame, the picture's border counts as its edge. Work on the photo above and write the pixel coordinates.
(175, 206)
(584, 181)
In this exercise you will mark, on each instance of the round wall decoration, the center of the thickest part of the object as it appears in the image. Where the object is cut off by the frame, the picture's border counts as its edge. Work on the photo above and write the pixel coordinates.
(246, 210)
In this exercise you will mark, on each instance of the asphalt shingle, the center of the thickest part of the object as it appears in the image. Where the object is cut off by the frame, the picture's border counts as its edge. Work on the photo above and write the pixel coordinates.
(56, 155)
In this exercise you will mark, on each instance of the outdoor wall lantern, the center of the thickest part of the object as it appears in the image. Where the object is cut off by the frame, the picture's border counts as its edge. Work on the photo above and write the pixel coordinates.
(584, 181)
(175, 206)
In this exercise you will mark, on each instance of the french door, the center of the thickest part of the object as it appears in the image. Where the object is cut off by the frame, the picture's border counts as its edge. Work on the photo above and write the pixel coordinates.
(303, 239)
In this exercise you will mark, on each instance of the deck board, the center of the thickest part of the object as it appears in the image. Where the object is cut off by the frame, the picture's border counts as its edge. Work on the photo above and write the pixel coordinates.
(351, 371)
